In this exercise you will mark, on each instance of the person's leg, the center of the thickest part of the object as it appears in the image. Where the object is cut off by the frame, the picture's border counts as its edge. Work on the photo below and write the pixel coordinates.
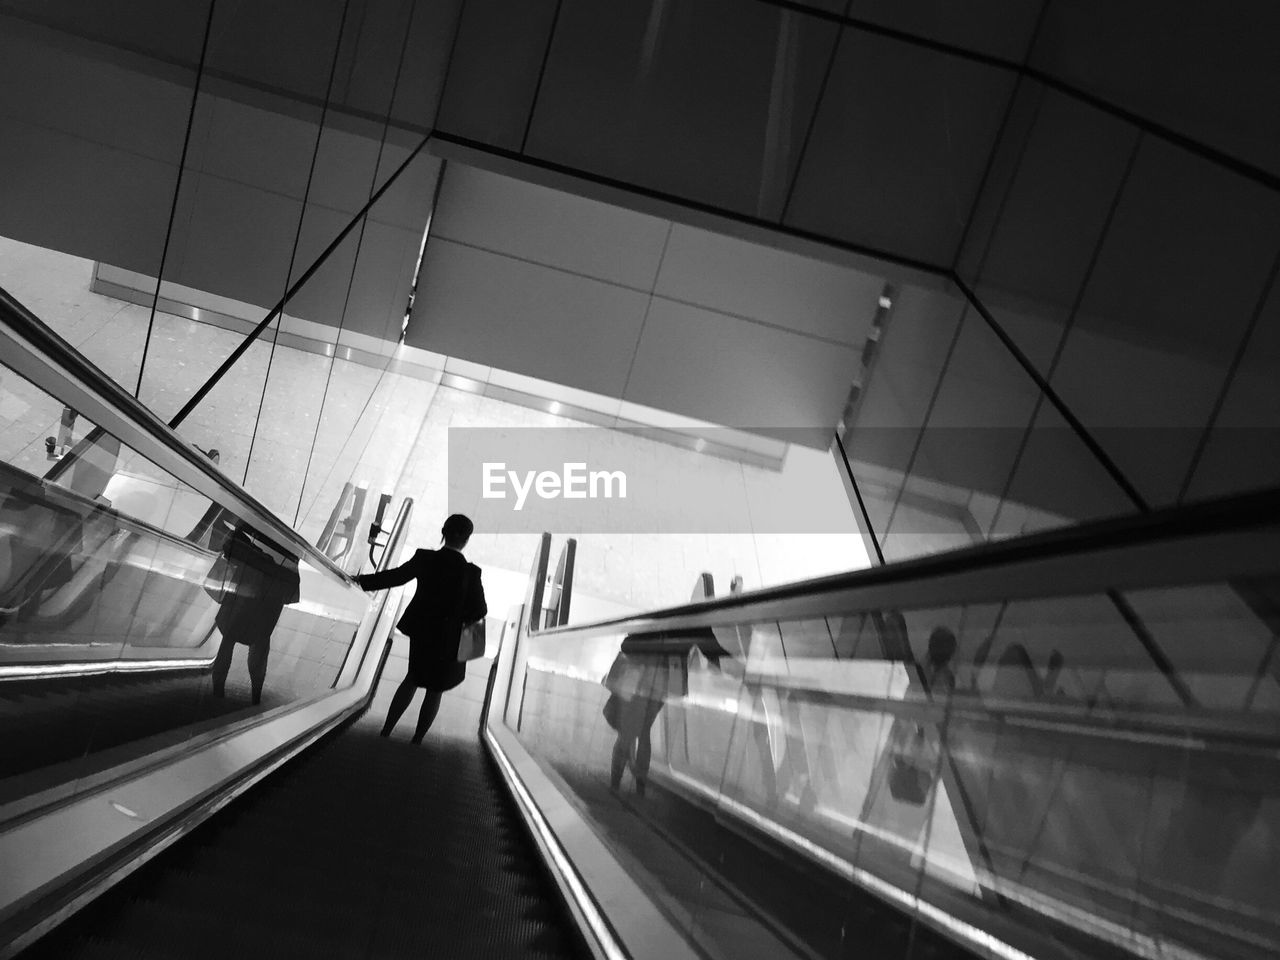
(621, 754)
(399, 702)
(629, 718)
(430, 707)
(221, 665)
(644, 745)
(258, 668)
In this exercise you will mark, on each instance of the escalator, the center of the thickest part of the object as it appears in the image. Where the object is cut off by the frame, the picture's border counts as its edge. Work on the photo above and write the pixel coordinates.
(361, 847)
(1055, 747)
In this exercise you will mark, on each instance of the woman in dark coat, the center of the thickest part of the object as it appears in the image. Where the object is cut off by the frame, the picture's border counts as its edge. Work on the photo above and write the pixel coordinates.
(448, 597)
(254, 585)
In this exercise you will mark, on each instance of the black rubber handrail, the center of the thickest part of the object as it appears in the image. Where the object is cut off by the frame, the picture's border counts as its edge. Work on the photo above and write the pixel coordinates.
(1237, 514)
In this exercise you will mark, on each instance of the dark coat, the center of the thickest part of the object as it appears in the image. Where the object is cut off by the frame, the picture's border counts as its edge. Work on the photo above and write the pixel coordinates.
(448, 596)
(257, 586)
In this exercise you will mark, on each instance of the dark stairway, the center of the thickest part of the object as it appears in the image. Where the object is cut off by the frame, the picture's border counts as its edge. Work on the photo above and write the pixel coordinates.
(362, 848)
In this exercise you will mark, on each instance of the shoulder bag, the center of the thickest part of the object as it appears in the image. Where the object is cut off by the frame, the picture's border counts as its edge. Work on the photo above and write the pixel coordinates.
(471, 642)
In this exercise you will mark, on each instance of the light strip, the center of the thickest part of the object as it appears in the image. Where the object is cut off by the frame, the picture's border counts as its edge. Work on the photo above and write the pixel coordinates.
(582, 899)
(42, 671)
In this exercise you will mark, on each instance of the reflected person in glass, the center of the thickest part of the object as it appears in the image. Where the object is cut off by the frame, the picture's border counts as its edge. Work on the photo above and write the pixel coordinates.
(252, 581)
(649, 670)
(448, 597)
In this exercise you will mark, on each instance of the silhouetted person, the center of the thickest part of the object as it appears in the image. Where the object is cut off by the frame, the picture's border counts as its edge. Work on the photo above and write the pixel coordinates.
(253, 586)
(448, 596)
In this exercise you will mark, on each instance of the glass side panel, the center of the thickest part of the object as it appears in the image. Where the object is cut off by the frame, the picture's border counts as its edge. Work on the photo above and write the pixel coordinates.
(1078, 776)
(134, 611)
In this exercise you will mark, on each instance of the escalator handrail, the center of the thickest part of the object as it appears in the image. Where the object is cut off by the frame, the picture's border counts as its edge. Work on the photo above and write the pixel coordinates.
(390, 556)
(1167, 530)
(142, 431)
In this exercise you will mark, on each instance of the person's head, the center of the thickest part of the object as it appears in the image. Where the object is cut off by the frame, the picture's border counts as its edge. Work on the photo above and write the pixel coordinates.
(942, 646)
(457, 531)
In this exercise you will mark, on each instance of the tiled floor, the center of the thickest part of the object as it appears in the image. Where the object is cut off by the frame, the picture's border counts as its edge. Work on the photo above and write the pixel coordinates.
(295, 426)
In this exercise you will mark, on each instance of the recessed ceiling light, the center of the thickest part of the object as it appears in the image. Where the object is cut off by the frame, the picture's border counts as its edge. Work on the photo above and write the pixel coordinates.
(555, 406)
(885, 303)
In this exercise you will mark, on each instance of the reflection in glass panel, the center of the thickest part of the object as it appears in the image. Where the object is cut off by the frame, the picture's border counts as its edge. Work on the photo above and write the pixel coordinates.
(1242, 449)
(902, 367)
(1234, 672)
(1081, 773)
(1057, 480)
(134, 611)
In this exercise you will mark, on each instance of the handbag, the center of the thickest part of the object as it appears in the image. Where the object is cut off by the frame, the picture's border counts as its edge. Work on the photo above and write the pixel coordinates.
(623, 678)
(471, 642)
(910, 773)
(612, 707)
(218, 581)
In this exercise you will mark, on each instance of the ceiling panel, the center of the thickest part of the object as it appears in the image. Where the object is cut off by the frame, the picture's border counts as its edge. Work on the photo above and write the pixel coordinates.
(408, 199)
(493, 69)
(1206, 70)
(898, 148)
(254, 146)
(737, 373)
(525, 318)
(343, 169)
(770, 285)
(547, 226)
(84, 198)
(703, 100)
(237, 240)
(62, 89)
(1002, 28)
